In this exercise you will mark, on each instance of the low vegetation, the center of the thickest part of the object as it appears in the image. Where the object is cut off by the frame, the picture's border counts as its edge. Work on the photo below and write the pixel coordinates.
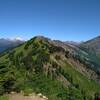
(29, 68)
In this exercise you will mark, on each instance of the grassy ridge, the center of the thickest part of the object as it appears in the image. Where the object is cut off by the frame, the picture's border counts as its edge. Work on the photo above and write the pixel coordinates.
(22, 69)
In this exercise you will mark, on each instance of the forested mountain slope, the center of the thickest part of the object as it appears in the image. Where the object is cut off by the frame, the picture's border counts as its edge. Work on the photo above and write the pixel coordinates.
(53, 68)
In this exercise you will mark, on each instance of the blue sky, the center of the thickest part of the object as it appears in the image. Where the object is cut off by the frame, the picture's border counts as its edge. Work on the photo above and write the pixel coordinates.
(75, 20)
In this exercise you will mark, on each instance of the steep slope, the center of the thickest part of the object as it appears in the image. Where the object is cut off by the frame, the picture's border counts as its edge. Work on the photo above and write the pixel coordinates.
(92, 48)
(7, 44)
(48, 67)
(93, 45)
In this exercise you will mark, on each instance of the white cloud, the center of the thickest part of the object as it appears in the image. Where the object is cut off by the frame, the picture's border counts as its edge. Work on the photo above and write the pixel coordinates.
(18, 38)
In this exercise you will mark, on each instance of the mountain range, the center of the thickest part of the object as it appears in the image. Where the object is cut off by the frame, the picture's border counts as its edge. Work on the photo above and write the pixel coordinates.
(59, 70)
(8, 44)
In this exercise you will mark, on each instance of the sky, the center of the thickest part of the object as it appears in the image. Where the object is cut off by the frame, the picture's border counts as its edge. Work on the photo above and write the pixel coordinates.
(66, 20)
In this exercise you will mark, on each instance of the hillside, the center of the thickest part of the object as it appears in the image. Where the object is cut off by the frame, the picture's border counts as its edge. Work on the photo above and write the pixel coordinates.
(92, 47)
(53, 68)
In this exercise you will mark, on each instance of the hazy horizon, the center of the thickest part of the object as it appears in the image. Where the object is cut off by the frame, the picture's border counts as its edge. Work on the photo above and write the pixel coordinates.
(22, 39)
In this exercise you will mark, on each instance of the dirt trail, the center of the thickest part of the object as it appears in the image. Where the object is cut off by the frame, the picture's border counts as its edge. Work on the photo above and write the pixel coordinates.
(21, 97)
